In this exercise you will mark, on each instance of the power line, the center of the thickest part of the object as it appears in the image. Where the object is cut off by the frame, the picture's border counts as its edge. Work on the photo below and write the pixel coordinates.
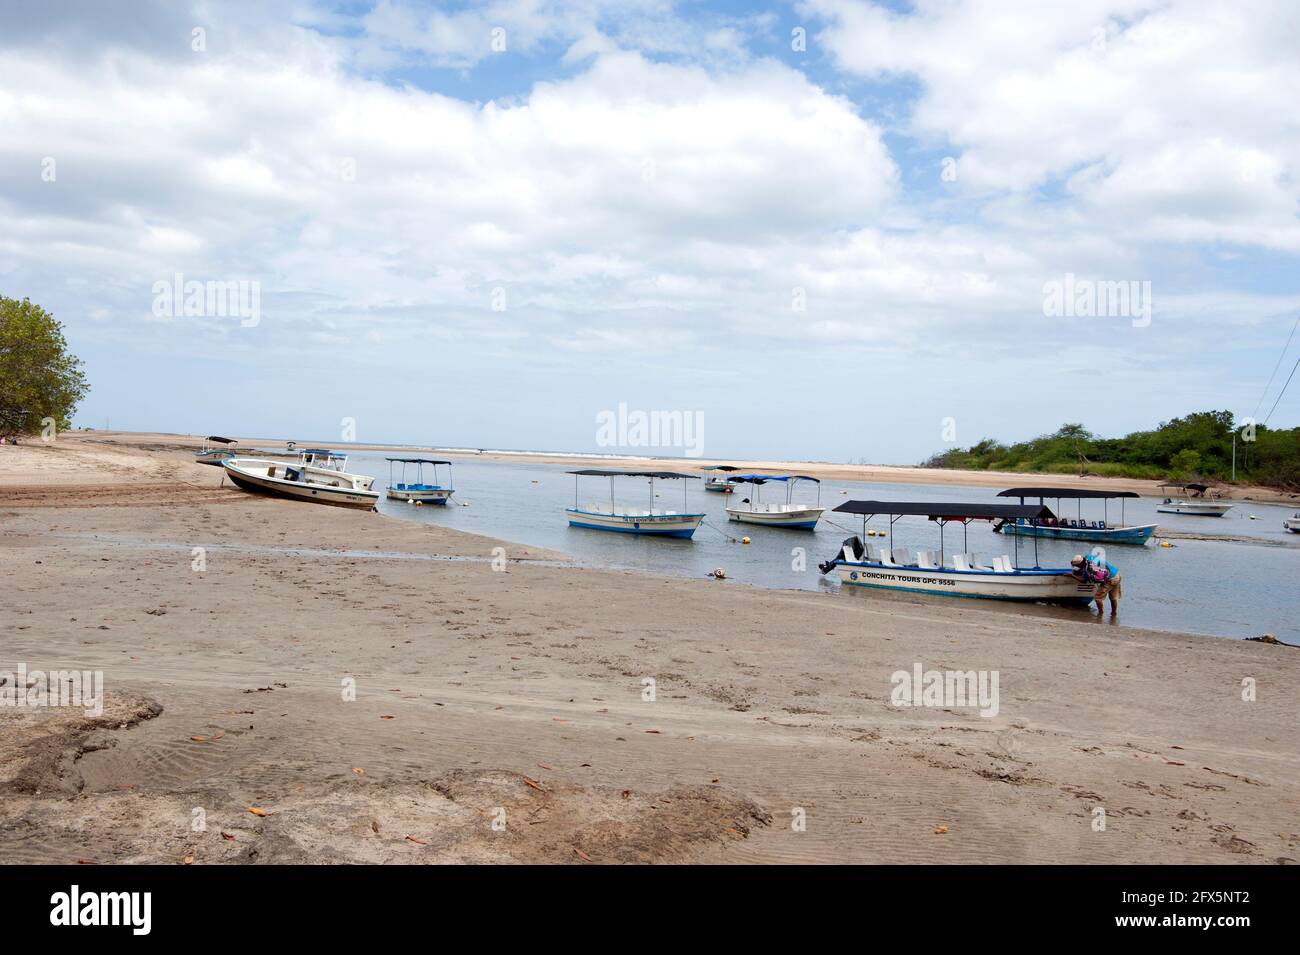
(1283, 391)
(1275, 368)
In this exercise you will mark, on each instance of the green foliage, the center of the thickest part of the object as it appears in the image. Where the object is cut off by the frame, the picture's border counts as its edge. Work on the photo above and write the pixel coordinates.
(1193, 447)
(38, 377)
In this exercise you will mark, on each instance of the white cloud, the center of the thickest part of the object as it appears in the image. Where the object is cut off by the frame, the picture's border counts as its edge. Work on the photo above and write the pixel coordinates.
(1168, 118)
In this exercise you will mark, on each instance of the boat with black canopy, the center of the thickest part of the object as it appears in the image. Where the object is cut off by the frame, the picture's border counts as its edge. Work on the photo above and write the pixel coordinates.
(1197, 500)
(963, 576)
(417, 491)
(218, 449)
(789, 513)
(652, 521)
(1076, 529)
(719, 483)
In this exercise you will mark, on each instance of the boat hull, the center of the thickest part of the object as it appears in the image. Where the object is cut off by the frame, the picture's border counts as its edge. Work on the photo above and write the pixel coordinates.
(801, 518)
(1195, 508)
(243, 473)
(1027, 586)
(1292, 524)
(652, 525)
(435, 495)
(718, 487)
(1136, 534)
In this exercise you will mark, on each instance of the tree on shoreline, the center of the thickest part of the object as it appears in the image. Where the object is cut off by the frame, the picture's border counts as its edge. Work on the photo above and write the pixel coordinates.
(1198, 446)
(39, 378)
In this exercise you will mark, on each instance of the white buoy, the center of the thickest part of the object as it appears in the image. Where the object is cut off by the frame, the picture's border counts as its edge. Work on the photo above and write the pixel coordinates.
(744, 540)
(720, 574)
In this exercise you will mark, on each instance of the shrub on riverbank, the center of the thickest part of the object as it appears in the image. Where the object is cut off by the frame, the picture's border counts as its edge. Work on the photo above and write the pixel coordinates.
(1198, 446)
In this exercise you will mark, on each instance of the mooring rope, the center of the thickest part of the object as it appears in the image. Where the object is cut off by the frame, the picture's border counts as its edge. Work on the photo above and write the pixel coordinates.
(841, 526)
(707, 523)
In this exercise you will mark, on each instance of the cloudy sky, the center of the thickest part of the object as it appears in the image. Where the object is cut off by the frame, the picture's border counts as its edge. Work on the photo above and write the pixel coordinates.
(826, 225)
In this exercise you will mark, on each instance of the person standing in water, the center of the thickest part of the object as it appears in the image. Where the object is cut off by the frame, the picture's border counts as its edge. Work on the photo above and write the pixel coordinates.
(1096, 569)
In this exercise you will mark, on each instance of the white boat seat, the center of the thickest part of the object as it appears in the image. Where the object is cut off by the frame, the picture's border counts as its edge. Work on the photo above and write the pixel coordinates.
(959, 562)
(886, 557)
(925, 560)
(902, 556)
(1002, 564)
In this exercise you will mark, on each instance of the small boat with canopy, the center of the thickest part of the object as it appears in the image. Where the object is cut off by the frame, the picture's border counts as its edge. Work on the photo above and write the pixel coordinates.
(719, 483)
(964, 575)
(1197, 500)
(417, 491)
(1075, 529)
(789, 513)
(652, 521)
(217, 450)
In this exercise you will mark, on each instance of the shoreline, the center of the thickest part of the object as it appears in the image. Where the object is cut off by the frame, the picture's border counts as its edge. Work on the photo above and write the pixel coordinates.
(871, 474)
(520, 694)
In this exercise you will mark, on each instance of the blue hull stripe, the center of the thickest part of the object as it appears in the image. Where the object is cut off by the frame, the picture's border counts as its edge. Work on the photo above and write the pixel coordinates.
(633, 530)
(1081, 601)
(1137, 535)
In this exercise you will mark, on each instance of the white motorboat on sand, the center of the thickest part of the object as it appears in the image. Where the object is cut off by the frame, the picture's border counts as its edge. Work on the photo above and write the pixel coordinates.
(320, 477)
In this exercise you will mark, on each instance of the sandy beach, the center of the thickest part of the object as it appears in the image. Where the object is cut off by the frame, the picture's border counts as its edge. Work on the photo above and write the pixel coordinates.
(119, 443)
(502, 713)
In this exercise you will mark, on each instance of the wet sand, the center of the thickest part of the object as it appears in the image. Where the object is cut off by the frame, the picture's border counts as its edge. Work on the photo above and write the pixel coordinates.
(516, 696)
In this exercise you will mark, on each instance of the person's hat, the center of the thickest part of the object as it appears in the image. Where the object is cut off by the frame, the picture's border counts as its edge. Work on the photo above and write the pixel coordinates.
(1076, 560)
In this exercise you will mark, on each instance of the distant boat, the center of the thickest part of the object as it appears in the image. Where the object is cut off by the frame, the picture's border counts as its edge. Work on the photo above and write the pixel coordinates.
(1193, 502)
(418, 492)
(652, 521)
(719, 483)
(320, 476)
(928, 573)
(787, 514)
(1292, 523)
(1077, 529)
(217, 450)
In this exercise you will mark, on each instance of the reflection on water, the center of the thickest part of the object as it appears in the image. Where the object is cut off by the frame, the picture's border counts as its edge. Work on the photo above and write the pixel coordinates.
(1226, 588)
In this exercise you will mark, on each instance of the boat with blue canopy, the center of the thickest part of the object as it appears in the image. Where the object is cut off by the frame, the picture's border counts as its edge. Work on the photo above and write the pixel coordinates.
(962, 575)
(417, 491)
(652, 521)
(1077, 528)
(752, 510)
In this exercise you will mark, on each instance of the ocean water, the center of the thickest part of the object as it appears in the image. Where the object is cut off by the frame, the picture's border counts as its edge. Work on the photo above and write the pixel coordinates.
(1225, 588)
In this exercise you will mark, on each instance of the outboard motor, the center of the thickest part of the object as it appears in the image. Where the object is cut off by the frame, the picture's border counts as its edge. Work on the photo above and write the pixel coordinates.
(854, 544)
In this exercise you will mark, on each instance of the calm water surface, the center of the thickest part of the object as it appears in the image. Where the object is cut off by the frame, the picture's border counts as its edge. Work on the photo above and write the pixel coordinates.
(1200, 586)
